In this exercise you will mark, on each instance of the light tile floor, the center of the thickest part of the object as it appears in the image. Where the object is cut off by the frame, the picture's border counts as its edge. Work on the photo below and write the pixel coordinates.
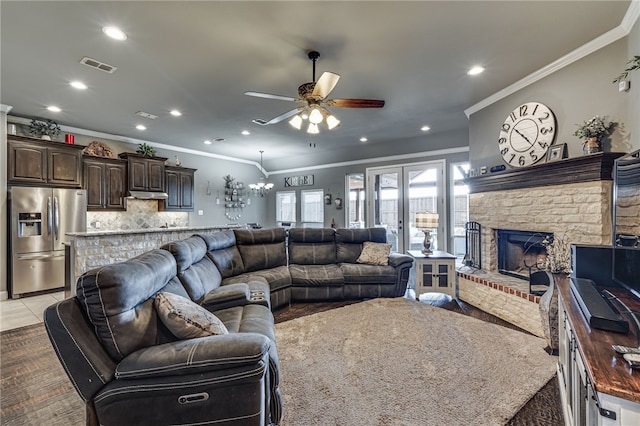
(16, 313)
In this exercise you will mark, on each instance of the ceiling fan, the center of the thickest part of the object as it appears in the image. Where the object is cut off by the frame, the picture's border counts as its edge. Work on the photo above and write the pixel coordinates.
(314, 96)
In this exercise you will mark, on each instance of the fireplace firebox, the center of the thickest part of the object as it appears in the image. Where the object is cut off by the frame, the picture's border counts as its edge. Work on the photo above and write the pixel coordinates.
(521, 252)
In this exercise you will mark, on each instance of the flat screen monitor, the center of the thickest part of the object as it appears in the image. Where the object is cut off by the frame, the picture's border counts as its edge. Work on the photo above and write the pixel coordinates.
(626, 222)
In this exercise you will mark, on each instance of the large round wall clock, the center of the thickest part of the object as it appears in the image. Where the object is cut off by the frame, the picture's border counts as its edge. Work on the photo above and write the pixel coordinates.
(526, 134)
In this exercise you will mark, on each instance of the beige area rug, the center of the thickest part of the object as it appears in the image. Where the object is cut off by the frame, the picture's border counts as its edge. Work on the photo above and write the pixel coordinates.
(400, 362)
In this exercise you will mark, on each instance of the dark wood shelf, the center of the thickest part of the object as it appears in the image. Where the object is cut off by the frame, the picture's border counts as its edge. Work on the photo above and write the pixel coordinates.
(594, 167)
(609, 372)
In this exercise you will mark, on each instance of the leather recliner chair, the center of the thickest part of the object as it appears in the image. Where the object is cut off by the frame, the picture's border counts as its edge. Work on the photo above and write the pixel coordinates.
(129, 368)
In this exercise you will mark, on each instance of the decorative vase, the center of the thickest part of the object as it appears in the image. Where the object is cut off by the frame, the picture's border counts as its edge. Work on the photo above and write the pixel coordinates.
(591, 146)
(549, 314)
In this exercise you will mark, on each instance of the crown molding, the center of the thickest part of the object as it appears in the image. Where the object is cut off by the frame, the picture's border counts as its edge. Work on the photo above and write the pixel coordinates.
(5, 108)
(622, 30)
(411, 156)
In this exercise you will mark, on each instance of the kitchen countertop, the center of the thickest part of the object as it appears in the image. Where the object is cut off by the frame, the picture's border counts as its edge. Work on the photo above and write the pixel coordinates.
(99, 233)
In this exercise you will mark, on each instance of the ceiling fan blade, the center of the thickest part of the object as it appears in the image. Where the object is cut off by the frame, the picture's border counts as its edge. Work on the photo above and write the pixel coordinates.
(286, 115)
(355, 103)
(269, 96)
(325, 84)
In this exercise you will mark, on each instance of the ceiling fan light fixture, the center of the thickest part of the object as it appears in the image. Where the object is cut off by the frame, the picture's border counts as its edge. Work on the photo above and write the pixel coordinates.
(316, 116)
(296, 122)
(332, 122)
(313, 129)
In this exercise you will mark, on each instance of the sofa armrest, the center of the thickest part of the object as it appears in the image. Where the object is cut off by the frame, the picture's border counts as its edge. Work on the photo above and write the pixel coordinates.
(196, 356)
(227, 296)
(397, 259)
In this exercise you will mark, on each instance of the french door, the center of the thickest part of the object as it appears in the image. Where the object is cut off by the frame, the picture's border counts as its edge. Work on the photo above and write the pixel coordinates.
(395, 194)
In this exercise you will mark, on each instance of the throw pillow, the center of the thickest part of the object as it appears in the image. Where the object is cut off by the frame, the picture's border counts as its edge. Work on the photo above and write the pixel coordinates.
(374, 253)
(186, 319)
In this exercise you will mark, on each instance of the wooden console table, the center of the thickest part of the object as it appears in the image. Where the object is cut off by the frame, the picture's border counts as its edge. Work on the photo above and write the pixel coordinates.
(597, 386)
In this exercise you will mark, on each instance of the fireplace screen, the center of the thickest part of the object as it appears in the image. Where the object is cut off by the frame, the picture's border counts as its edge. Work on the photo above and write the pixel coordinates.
(521, 252)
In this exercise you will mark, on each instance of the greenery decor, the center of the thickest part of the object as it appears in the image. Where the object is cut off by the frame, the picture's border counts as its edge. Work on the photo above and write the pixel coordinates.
(634, 64)
(146, 150)
(39, 128)
(596, 127)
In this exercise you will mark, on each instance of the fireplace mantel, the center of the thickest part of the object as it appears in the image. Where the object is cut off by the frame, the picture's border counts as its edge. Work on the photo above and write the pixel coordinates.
(587, 168)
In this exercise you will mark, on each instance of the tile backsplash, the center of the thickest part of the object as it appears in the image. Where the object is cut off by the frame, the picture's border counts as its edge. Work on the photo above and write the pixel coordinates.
(140, 214)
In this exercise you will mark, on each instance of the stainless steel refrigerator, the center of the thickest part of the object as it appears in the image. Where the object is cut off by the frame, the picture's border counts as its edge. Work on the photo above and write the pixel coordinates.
(39, 219)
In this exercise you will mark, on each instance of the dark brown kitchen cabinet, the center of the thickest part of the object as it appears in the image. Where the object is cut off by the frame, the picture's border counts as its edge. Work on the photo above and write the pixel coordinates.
(145, 173)
(40, 162)
(105, 180)
(179, 183)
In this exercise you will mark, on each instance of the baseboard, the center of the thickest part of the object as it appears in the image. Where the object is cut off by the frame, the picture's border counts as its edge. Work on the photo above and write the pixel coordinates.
(4, 295)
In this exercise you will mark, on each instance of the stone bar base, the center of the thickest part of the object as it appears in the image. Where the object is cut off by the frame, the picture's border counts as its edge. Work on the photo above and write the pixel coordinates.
(501, 300)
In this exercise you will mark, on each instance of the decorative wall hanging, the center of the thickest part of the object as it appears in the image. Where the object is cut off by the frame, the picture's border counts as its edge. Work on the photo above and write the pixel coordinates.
(305, 180)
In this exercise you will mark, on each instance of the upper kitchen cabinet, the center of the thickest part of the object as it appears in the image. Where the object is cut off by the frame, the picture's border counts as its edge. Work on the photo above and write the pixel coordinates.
(105, 180)
(145, 173)
(179, 182)
(40, 162)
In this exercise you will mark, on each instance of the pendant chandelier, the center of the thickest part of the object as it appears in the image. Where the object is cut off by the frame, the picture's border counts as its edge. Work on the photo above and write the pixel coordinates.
(262, 187)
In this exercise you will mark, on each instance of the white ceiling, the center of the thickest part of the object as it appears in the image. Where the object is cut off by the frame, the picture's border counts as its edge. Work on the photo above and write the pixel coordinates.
(200, 57)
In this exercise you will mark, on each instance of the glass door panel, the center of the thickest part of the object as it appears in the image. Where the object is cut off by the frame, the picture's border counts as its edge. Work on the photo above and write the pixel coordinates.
(396, 194)
(384, 203)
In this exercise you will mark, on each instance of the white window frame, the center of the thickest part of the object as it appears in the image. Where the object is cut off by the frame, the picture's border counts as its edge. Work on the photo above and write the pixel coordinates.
(314, 222)
(280, 195)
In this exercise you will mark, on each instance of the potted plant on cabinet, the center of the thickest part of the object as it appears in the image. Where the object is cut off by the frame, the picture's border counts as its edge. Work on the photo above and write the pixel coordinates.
(592, 131)
(46, 129)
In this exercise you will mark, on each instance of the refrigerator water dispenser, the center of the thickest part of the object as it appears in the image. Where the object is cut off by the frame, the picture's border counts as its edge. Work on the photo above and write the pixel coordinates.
(29, 224)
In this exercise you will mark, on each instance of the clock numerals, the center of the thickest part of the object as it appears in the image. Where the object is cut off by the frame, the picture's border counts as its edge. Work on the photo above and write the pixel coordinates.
(533, 155)
(542, 118)
(502, 141)
(545, 130)
(504, 151)
(535, 109)
(543, 145)
(523, 110)
(513, 116)
(506, 127)
(521, 160)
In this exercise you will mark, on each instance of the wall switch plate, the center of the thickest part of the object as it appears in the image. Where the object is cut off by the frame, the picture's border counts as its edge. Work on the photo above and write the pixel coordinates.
(624, 85)
(200, 212)
(97, 226)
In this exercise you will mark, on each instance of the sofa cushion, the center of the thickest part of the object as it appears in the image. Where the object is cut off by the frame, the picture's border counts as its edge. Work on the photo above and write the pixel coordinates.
(275, 278)
(222, 250)
(261, 249)
(316, 275)
(118, 300)
(308, 246)
(374, 253)
(196, 270)
(349, 242)
(185, 319)
(357, 273)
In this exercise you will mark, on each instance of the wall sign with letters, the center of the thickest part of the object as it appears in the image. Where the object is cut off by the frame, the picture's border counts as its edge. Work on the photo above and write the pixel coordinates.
(298, 181)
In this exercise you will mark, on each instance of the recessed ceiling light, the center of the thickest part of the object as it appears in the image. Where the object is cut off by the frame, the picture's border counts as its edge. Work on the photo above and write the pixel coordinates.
(141, 127)
(78, 85)
(475, 70)
(425, 128)
(115, 33)
(246, 132)
(176, 113)
(54, 108)
(363, 139)
(207, 142)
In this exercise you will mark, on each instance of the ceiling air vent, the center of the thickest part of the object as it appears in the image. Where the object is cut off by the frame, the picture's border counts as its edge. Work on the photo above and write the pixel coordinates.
(98, 65)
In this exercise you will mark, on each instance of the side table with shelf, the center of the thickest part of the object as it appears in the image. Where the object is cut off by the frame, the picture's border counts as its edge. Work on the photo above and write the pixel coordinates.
(435, 272)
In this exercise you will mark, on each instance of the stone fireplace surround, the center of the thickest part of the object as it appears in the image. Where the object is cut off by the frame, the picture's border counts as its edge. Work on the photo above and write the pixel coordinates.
(571, 197)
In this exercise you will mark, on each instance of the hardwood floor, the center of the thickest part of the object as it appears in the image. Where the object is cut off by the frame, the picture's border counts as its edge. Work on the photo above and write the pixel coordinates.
(542, 410)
